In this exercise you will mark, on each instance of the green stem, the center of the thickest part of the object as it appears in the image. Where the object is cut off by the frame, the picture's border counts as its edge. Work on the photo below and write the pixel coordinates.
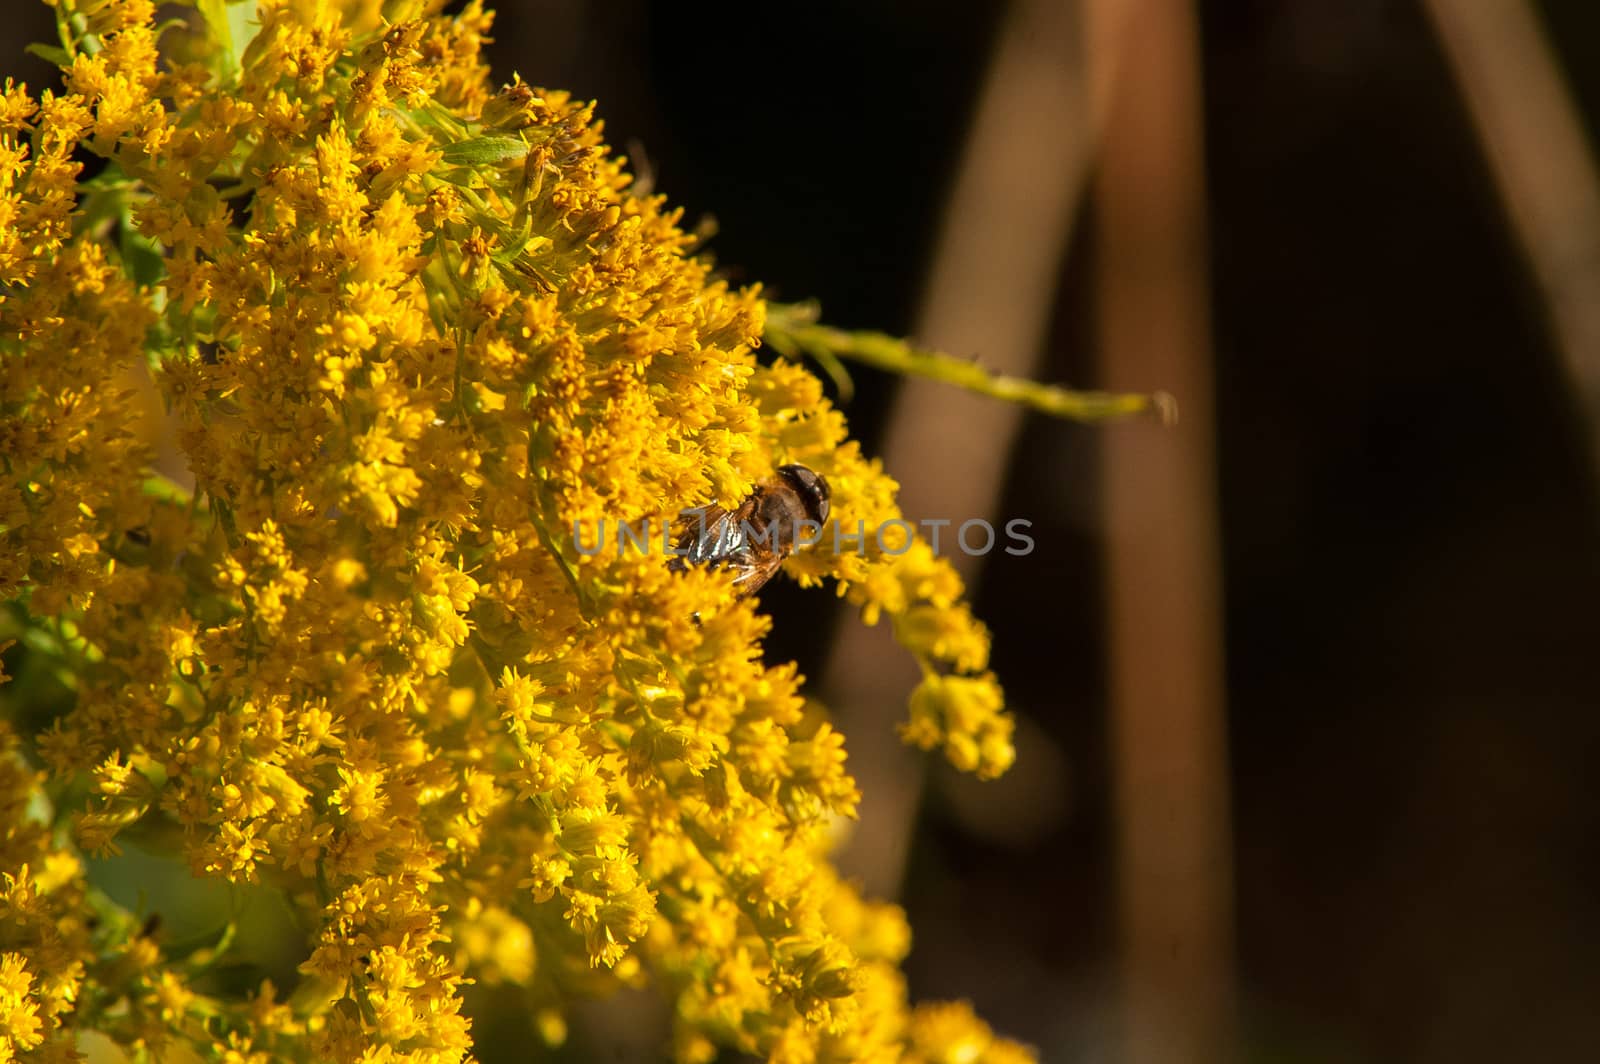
(73, 27)
(792, 329)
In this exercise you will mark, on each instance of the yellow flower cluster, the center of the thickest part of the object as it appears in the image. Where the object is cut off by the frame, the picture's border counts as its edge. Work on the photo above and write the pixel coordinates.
(410, 333)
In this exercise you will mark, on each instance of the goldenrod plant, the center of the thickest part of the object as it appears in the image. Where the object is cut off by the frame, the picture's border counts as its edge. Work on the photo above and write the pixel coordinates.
(407, 332)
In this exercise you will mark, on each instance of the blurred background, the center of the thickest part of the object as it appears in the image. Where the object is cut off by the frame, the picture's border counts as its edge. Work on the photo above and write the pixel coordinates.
(1307, 683)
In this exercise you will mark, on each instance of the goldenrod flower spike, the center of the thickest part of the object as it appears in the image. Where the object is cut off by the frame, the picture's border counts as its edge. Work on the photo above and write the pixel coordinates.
(407, 332)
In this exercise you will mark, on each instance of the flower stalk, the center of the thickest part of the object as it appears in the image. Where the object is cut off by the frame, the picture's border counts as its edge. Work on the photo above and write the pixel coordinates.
(793, 330)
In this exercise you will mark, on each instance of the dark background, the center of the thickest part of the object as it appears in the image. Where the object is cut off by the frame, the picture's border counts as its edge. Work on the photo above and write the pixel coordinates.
(1408, 510)
(1407, 504)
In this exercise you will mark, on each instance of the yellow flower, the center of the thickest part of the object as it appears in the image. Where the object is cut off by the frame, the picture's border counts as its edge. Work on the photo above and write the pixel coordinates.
(952, 1034)
(962, 714)
(411, 332)
(20, 1026)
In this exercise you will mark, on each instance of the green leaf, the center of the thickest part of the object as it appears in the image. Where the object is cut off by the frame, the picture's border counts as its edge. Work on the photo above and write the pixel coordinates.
(784, 344)
(167, 490)
(143, 259)
(514, 242)
(484, 151)
(232, 25)
(245, 22)
(59, 57)
(836, 372)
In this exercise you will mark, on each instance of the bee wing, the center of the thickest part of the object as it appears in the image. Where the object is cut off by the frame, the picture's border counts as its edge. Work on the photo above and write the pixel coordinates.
(757, 568)
(705, 535)
(711, 535)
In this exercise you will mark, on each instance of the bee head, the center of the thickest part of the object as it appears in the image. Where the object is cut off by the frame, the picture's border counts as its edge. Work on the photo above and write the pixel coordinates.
(811, 487)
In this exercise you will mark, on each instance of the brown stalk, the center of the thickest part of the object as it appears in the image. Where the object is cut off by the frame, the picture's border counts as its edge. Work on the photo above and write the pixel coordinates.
(1168, 716)
(989, 293)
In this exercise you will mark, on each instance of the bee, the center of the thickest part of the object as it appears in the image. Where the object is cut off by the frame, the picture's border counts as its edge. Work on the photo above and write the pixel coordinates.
(754, 538)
